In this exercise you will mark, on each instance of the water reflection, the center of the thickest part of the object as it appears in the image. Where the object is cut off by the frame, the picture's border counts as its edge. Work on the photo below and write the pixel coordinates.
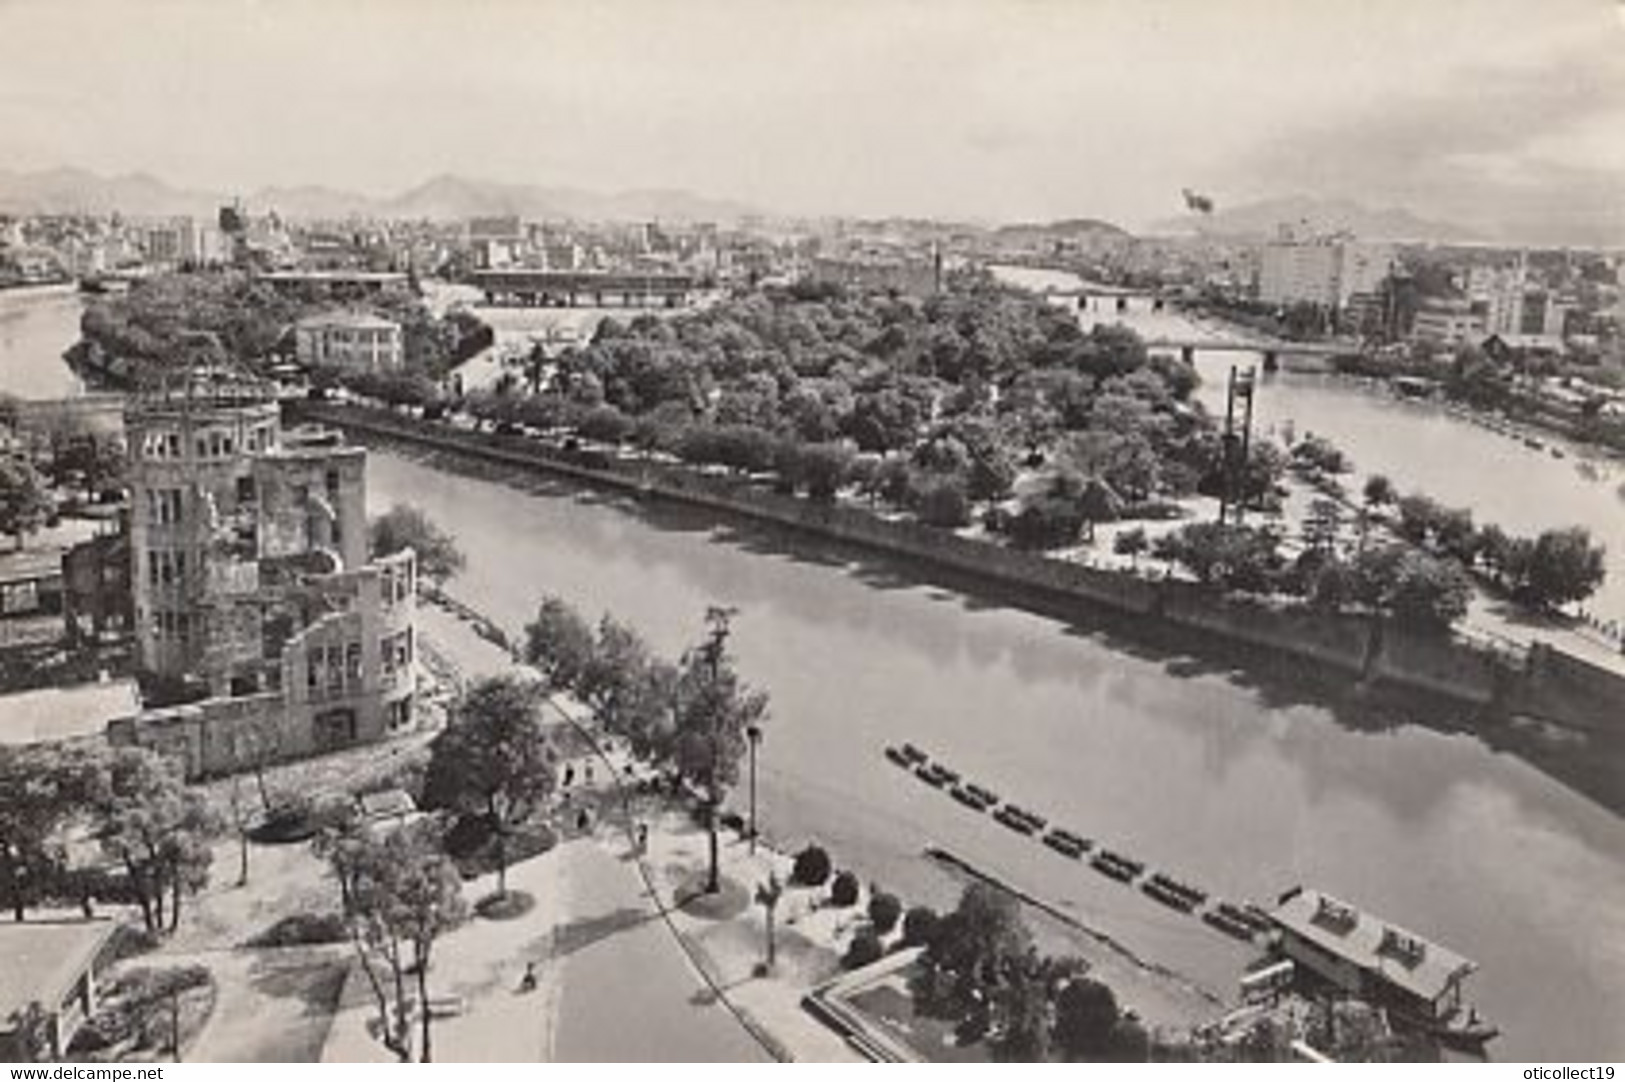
(1243, 776)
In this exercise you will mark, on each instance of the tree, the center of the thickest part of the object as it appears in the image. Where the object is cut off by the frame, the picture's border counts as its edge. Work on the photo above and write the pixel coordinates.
(1098, 503)
(158, 829)
(970, 951)
(1131, 543)
(1418, 589)
(884, 910)
(492, 761)
(94, 458)
(401, 892)
(942, 499)
(1321, 524)
(404, 526)
(714, 709)
(1024, 1011)
(559, 642)
(628, 688)
(25, 502)
(1085, 1015)
(1223, 555)
(31, 1028)
(40, 790)
(1379, 491)
(1563, 566)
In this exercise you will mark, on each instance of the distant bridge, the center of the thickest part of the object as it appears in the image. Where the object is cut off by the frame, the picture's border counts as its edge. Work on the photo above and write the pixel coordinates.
(1272, 351)
(535, 288)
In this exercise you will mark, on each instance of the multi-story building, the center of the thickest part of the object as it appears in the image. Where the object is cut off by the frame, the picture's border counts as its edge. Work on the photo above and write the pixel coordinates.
(894, 274)
(1448, 321)
(496, 241)
(253, 587)
(1500, 290)
(1324, 271)
(353, 340)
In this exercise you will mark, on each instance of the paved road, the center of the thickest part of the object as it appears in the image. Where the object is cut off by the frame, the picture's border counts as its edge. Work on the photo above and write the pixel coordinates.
(629, 993)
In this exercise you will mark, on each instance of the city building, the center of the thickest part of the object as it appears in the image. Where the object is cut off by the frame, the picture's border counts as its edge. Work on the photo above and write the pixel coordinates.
(359, 341)
(1500, 291)
(253, 587)
(873, 273)
(185, 242)
(496, 241)
(1448, 321)
(1324, 270)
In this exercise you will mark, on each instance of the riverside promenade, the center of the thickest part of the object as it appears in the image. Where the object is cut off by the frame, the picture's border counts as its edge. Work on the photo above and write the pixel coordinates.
(614, 985)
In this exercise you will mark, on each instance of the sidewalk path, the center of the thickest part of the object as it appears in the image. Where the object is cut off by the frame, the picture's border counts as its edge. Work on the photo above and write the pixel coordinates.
(628, 993)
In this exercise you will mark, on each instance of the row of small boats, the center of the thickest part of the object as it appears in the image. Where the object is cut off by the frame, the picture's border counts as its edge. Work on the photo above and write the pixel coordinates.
(1243, 922)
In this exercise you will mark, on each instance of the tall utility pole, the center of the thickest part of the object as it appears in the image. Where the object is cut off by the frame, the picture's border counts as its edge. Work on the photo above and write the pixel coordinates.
(1236, 447)
(717, 618)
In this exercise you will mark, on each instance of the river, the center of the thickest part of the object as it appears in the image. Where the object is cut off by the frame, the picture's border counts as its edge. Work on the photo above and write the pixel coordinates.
(1243, 784)
(1236, 780)
(36, 325)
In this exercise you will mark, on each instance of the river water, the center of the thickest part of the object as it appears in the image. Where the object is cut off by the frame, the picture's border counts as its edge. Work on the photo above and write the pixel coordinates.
(36, 326)
(1237, 780)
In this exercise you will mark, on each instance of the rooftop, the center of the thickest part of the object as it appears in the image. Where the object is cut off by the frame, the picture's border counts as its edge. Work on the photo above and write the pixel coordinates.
(1399, 957)
(49, 714)
(39, 960)
(30, 564)
(352, 320)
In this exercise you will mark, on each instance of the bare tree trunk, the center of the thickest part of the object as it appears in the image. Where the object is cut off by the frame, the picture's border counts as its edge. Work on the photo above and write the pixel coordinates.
(713, 882)
(424, 1055)
(402, 1021)
(389, 1030)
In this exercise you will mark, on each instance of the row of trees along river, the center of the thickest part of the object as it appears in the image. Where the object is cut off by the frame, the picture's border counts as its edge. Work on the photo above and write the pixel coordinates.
(1232, 777)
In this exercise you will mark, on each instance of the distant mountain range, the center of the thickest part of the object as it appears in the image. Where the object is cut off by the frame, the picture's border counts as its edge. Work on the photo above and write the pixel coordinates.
(66, 191)
(1072, 229)
(1264, 218)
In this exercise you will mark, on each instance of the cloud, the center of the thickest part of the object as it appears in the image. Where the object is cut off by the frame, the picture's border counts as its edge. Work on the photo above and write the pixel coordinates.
(1479, 149)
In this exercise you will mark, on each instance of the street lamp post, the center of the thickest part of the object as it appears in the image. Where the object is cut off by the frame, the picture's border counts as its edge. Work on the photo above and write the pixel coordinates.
(754, 735)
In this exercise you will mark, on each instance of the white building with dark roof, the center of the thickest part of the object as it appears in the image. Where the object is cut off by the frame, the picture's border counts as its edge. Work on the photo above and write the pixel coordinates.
(359, 341)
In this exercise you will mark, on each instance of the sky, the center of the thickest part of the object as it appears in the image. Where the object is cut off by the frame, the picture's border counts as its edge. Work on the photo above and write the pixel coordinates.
(1505, 115)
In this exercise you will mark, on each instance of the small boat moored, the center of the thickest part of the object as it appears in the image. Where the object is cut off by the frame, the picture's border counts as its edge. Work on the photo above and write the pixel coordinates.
(1174, 894)
(1019, 819)
(1066, 843)
(1116, 866)
(974, 796)
(935, 775)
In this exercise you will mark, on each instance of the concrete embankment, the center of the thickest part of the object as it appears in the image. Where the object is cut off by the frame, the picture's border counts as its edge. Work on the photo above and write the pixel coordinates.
(1544, 683)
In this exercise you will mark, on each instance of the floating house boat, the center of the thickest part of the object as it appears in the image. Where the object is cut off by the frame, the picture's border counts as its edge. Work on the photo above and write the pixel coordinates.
(1417, 981)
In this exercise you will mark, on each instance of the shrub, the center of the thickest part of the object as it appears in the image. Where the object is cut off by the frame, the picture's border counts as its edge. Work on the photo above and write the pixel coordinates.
(865, 949)
(812, 867)
(942, 500)
(884, 911)
(918, 924)
(844, 891)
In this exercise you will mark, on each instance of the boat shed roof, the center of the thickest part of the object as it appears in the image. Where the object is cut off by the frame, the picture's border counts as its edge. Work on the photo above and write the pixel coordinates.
(1392, 954)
